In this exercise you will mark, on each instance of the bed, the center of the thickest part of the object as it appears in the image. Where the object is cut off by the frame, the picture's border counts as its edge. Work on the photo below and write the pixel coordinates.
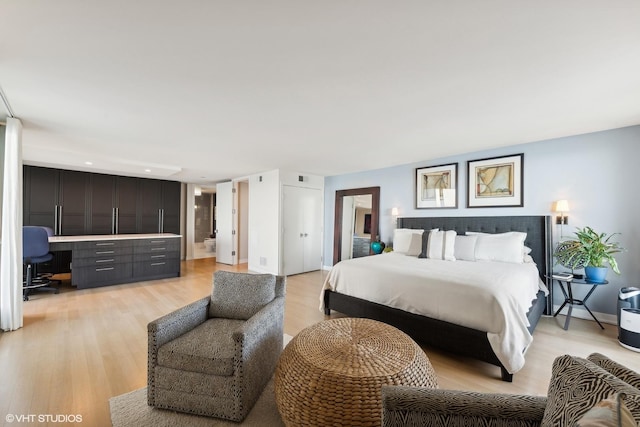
(447, 334)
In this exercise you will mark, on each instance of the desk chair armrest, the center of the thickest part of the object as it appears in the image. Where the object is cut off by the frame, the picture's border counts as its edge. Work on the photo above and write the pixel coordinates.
(433, 407)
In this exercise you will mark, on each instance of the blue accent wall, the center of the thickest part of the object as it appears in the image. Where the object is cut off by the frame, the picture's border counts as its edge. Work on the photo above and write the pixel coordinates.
(598, 173)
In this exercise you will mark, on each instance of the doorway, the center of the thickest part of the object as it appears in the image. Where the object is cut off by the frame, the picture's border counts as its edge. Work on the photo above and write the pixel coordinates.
(204, 245)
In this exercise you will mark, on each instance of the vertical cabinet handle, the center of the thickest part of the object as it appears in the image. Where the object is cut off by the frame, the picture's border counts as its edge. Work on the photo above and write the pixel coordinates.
(60, 220)
(117, 220)
(113, 220)
(55, 221)
(159, 220)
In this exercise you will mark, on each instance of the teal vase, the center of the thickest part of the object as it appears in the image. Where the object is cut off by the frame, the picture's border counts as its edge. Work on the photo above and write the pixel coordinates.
(377, 247)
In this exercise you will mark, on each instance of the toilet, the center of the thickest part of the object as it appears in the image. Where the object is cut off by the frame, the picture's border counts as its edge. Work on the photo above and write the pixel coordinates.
(210, 244)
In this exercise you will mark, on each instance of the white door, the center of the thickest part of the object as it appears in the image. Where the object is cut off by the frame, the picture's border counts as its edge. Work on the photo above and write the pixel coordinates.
(312, 226)
(225, 236)
(302, 234)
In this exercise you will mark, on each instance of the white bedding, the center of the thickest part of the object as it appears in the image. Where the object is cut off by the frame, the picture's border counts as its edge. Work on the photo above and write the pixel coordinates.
(488, 296)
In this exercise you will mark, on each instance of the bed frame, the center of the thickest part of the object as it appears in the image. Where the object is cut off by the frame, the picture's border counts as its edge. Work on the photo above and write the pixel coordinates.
(453, 338)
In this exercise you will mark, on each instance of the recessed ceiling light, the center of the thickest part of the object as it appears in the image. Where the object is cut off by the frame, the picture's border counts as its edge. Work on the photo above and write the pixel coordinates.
(147, 170)
(88, 163)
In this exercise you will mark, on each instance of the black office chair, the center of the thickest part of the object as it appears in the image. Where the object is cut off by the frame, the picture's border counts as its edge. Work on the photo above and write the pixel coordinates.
(35, 250)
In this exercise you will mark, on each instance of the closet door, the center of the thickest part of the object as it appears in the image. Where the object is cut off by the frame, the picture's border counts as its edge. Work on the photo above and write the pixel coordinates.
(312, 225)
(171, 207)
(126, 205)
(102, 203)
(73, 203)
(41, 188)
(150, 204)
(302, 229)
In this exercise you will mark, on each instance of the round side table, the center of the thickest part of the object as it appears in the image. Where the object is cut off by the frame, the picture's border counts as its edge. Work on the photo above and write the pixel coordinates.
(331, 373)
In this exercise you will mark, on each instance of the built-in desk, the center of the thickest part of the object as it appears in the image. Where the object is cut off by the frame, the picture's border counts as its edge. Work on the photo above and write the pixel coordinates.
(112, 259)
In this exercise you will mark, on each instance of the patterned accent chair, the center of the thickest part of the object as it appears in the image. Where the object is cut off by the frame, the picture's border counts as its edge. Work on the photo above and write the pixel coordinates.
(214, 356)
(576, 391)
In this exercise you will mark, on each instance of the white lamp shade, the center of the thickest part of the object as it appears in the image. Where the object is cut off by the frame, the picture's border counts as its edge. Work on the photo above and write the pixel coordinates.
(562, 206)
(394, 211)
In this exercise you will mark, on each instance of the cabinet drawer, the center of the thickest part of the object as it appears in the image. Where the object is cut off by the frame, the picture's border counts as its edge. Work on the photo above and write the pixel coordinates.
(156, 256)
(101, 252)
(157, 245)
(101, 261)
(166, 267)
(103, 244)
(90, 277)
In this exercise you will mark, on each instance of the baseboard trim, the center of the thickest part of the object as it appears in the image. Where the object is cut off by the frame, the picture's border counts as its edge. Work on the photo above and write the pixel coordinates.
(581, 313)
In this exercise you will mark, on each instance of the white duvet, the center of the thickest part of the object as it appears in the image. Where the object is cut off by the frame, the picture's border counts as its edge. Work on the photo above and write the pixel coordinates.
(488, 296)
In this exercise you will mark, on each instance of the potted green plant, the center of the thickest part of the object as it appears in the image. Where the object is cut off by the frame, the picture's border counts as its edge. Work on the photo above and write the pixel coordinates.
(590, 250)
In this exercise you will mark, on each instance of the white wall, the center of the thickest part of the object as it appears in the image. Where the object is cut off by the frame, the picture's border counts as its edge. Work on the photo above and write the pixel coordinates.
(265, 216)
(264, 222)
(597, 173)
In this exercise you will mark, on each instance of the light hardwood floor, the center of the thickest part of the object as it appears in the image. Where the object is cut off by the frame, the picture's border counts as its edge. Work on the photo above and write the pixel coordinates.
(77, 349)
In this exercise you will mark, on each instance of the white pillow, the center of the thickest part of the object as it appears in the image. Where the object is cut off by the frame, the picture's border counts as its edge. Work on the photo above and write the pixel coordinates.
(504, 247)
(441, 245)
(407, 241)
(465, 248)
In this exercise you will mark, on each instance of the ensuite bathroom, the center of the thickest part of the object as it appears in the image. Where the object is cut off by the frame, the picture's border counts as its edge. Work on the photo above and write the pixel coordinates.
(205, 225)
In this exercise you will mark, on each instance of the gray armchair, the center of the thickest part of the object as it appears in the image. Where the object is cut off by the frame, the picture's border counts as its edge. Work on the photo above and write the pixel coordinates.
(577, 385)
(214, 356)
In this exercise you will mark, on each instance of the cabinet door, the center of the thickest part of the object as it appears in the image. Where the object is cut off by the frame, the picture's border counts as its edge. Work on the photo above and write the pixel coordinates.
(127, 204)
(171, 207)
(102, 189)
(40, 196)
(150, 198)
(74, 187)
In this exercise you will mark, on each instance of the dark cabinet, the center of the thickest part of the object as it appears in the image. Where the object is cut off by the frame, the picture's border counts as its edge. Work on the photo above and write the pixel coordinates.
(102, 214)
(41, 188)
(126, 205)
(78, 203)
(159, 206)
(57, 199)
(121, 260)
(171, 207)
(114, 204)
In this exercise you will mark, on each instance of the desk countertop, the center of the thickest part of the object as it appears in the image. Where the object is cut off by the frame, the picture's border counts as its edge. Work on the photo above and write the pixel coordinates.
(88, 238)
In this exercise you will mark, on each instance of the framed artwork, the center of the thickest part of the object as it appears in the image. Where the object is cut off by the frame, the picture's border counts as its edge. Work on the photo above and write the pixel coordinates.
(496, 182)
(437, 187)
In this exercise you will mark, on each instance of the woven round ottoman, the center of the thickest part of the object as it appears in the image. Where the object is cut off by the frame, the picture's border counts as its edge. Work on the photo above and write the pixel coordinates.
(331, 373)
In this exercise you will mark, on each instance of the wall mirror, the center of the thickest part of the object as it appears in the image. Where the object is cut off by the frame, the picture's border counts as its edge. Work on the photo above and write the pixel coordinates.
(357, 213)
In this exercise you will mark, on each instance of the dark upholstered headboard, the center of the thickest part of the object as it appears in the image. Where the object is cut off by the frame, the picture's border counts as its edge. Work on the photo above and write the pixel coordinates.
(538, 229)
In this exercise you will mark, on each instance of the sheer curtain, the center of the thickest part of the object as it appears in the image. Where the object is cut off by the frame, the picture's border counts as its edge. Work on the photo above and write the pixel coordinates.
(11, 249)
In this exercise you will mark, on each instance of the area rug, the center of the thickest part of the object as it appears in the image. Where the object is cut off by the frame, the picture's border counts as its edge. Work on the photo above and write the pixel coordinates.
(131, 410)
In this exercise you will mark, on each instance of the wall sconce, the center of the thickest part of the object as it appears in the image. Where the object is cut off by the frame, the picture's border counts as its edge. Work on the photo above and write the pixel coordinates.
(394, 211)
(562, 207)
(197, 191)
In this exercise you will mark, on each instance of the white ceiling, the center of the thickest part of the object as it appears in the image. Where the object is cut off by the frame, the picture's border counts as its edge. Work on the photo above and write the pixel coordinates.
(203, 91)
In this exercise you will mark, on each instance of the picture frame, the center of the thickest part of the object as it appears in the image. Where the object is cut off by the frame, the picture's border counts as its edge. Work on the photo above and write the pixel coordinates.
(496, 182)
(437, 187)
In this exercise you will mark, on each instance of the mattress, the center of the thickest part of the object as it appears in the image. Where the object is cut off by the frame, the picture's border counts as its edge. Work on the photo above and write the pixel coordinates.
(487, 296)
